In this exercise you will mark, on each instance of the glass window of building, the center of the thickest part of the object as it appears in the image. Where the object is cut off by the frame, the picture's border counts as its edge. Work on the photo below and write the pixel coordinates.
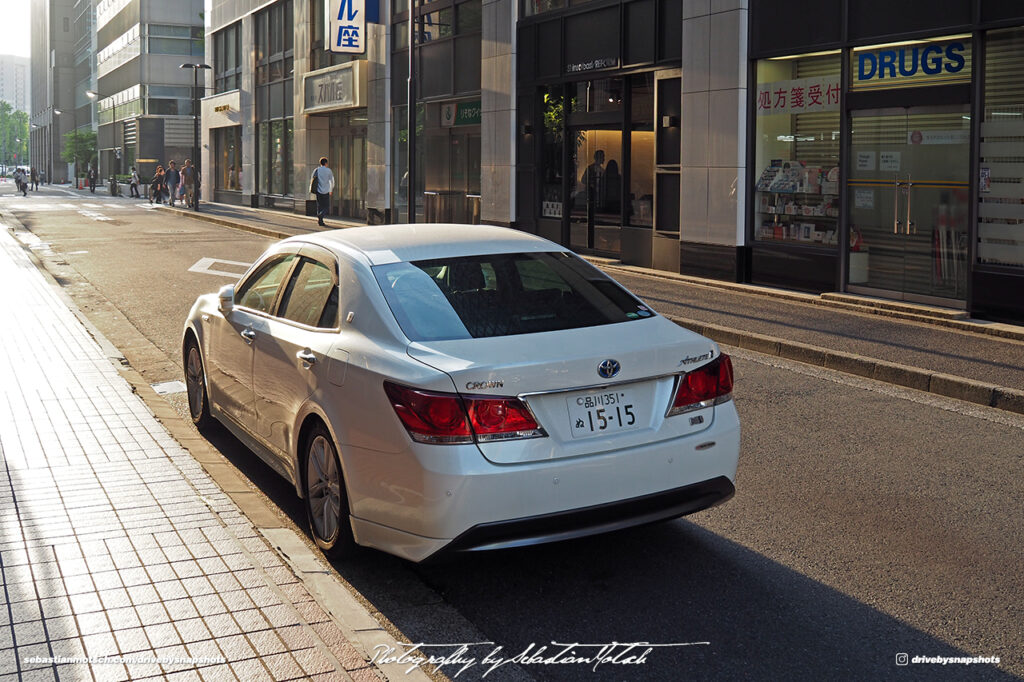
(228, 158)
(796, 168)
(227, 59)
(180, 40)
(274, 98)
(532, 7)
(1001, 192)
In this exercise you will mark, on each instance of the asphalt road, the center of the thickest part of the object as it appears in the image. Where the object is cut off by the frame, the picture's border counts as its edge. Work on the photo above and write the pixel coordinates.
(869, 520)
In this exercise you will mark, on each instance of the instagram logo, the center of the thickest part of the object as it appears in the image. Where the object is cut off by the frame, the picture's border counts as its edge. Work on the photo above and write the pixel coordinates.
(902, 659)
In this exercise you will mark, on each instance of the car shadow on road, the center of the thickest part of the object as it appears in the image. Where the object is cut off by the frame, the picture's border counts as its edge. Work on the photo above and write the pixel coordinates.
(673, 582)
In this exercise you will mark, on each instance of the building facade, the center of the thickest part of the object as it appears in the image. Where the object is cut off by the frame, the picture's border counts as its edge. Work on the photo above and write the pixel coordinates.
(15, 82)
(819, 145)
(143, 98)
(53, 84)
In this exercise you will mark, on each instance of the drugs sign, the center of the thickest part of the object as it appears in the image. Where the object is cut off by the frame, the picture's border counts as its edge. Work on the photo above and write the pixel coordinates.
(346, 26)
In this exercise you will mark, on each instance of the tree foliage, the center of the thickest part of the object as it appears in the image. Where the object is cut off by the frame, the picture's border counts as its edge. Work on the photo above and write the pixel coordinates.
(79, 148)
(14, 127)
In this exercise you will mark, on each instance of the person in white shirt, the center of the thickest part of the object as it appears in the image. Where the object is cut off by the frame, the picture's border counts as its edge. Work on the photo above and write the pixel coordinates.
(134, 184)
(322, 184)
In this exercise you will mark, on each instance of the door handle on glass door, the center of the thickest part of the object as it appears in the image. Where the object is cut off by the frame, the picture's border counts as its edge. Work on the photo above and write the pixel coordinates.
(910, 189)
(249, 335)
(307, 357)
(896, 207)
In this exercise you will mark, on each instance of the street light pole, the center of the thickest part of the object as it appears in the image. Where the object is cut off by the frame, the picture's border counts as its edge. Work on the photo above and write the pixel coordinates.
(49, 161)
(196, 165)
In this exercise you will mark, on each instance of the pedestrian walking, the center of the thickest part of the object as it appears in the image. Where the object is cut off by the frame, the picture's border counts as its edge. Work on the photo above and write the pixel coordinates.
(35, 179)
(133, 185)
(92, 179)
(172, 178)
(156, 187)
(20, 181)
(188, 181)
(322, 184)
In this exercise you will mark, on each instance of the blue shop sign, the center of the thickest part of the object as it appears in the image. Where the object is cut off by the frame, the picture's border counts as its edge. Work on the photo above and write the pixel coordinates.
(912, 65)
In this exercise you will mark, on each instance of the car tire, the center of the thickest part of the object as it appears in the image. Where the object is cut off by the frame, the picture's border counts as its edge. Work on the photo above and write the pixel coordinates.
(195, 385)
(325, 497)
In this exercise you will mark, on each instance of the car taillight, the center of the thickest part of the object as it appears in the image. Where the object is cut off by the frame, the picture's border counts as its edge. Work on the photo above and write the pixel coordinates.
(448, 418)
(703, 387)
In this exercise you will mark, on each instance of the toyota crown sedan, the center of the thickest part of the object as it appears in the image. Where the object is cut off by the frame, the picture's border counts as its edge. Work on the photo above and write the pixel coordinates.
(440, 388)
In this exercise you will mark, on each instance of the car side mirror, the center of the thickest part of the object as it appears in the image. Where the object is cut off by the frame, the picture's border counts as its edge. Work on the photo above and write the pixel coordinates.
(227, 298)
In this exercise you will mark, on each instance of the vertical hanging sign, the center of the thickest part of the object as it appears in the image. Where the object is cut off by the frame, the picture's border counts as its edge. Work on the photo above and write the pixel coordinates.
(346, 26)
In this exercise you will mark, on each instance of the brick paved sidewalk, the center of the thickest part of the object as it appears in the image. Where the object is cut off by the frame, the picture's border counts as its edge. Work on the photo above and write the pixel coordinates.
(114, 541)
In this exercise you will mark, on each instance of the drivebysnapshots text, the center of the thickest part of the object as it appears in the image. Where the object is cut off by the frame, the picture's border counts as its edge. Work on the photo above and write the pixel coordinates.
(457, 658)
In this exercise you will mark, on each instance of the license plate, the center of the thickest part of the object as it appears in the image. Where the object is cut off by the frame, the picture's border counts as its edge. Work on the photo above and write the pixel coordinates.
(592, 414)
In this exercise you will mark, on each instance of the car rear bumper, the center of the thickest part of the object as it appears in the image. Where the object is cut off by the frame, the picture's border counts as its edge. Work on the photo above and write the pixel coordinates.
(601, 518)
(471, 504)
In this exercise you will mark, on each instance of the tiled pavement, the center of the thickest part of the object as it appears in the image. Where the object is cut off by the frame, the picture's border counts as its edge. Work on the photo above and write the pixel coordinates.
(114, 542)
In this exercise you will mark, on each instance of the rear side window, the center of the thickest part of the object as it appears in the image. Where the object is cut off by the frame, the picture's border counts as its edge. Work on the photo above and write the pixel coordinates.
(311, 297)
(502, 295)
(260, 291)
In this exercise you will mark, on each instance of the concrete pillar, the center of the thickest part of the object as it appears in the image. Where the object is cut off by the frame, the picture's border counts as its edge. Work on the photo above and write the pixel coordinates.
(714, 121)
(498, 112)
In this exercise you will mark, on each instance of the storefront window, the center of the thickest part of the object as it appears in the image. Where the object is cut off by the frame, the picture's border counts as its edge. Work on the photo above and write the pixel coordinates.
(1001, 192)
(797, 150)
(228, 159)
(532, 7)
(596, 96)
(640, 208)
(275, 152)
(597, 190)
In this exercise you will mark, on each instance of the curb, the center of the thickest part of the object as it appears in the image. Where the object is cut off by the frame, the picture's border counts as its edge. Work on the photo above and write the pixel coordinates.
(980, 393)
(353, 621)
(254, 229)
(868, 307)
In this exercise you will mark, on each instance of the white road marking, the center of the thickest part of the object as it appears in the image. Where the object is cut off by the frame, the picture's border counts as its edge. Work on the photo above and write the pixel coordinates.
(203, 266)
(94, 215)
(76, 253)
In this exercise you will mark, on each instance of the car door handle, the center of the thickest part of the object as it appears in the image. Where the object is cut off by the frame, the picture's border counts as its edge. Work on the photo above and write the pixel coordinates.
(307, 357)
(249, 335)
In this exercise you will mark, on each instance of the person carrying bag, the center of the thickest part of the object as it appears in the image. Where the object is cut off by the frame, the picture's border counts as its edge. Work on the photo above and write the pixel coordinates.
(322, 184)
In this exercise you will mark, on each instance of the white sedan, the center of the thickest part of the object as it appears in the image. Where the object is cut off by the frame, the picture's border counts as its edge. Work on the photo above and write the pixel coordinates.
(432, 388)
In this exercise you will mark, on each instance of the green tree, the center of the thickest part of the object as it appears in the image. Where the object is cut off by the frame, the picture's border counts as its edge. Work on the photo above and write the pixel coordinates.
(13, 135)
(79, 148)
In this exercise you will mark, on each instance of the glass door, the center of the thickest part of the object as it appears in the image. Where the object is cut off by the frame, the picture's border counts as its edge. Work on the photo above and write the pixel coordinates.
(908, 202)
(596, 192)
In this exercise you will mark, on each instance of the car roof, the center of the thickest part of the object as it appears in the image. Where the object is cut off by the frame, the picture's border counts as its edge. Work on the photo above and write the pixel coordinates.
(383, 244)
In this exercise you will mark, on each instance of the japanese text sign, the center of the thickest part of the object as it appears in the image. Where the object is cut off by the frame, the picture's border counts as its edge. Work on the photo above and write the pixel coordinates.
(346, 26)
(799, 96)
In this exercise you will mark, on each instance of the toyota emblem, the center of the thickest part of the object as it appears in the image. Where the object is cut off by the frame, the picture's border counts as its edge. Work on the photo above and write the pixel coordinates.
(609, 368)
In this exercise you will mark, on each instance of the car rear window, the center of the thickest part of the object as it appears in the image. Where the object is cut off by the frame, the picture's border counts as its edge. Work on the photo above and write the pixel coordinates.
(502, 295)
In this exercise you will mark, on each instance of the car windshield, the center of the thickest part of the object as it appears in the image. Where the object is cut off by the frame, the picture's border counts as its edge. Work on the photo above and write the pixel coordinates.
(501, 295)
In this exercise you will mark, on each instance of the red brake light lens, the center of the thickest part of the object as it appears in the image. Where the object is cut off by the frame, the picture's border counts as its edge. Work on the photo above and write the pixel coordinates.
(430, 417)
(448, 418)
(501, 418)
(703, 387)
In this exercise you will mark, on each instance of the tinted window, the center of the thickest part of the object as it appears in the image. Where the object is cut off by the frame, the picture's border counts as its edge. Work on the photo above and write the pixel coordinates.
(501, 295)
(307, 297)
(260, 290)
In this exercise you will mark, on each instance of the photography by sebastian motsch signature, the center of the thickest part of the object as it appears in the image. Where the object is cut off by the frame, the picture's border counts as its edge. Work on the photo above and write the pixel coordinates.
(458, 657)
